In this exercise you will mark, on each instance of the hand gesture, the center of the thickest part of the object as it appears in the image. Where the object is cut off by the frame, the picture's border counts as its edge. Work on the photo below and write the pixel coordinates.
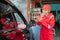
(39, 18)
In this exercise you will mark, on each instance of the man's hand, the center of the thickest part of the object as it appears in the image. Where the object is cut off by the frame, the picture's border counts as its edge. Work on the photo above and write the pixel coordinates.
(21, 26)
(39, 18)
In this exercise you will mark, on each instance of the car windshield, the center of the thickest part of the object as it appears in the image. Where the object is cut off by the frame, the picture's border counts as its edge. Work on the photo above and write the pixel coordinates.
(21, 5)
(18, 18)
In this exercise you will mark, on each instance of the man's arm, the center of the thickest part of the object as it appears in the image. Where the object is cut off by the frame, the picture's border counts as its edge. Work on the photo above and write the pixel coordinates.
(46, 23)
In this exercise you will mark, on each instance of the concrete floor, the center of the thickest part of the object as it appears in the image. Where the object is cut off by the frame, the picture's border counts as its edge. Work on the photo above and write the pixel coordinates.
(57, 31)
(57, 38)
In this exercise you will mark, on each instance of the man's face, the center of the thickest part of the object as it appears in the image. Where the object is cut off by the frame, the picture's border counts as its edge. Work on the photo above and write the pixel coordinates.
(45, 12)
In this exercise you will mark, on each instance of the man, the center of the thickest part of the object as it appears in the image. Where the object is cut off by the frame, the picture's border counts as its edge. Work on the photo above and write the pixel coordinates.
(47, 21)
(14, 34)
(11, 35)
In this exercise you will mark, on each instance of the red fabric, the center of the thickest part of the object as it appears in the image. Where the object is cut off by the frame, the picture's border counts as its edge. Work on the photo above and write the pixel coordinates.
(15, 35)
(46, 7)
(45, 33)
(2, 20)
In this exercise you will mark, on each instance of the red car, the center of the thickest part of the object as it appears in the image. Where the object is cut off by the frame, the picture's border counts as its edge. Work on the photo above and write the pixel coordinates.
(15, 17)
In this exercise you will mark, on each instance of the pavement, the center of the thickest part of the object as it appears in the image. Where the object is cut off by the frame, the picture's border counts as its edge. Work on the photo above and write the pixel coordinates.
(57, 38)
(57, 31)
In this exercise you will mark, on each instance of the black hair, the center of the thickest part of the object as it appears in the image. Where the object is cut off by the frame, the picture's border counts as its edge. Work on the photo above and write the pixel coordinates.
(4, 9)
(3, 1)
(32, 23)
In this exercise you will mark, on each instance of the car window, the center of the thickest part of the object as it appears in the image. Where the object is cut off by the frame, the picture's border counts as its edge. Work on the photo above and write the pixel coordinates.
(18, 19)
(21, 5)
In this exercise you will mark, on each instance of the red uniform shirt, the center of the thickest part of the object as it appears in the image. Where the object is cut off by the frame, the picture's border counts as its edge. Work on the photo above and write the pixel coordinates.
(15, 35)
(47, 26)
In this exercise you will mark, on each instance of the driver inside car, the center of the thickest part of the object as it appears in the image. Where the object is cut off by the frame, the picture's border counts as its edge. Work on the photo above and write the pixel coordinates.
(8, 26)
(10, 32)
